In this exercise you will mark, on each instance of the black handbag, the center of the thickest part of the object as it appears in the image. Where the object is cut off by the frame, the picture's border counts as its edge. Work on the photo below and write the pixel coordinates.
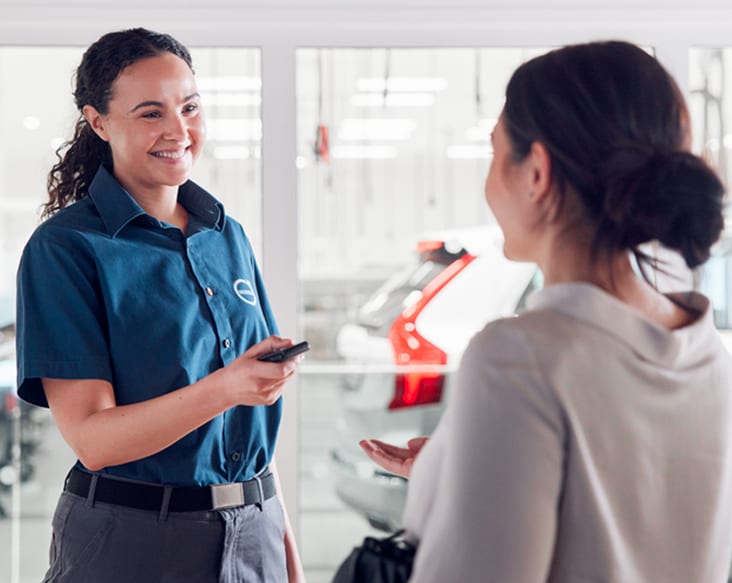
(378, 560)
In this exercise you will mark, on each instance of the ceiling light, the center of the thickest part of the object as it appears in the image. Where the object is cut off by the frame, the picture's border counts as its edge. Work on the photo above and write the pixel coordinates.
(477, 135)
(468, 152)
(232, 129)
(237, 152)
(488, 123)
(393, 100)
(366, 84)
(364, 152)
(231, 99)
(31, 122)
(229, 83)
(376, 129)
(481, 132)
(231, 152)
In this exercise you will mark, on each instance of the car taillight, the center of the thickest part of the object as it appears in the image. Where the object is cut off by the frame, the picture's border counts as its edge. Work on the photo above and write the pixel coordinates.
(417, 389)
(411, 348)
(11, 402)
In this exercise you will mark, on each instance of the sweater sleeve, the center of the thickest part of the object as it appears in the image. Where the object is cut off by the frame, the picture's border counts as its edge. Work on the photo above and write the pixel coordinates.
(494, 511)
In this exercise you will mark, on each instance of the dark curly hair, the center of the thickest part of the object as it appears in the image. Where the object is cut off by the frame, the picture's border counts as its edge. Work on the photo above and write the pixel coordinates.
(615, 125)
(80, 158)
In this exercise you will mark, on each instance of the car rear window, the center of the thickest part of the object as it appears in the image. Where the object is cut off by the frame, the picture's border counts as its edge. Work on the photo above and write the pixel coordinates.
(404, 287)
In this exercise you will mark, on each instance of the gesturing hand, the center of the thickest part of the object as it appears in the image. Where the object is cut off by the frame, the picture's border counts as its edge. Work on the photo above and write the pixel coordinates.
(397, 460)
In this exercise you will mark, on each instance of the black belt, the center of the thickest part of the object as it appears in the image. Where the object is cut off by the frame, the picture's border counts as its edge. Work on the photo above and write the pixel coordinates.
(182, 499)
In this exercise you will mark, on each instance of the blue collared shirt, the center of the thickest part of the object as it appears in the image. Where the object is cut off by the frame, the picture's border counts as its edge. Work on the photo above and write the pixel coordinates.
(106, 291)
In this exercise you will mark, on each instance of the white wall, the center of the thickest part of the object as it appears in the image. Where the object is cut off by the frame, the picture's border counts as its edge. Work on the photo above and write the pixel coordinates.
(281, 21)
(281, 26)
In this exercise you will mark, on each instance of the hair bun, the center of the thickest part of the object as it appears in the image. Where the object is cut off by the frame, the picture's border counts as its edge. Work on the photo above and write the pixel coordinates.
(670, 196)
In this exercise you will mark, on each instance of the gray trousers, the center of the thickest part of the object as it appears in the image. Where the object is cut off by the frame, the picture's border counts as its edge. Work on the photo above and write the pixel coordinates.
(105, 543)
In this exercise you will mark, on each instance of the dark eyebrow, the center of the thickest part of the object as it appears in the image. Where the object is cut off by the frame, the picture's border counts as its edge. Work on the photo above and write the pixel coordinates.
(159, 104)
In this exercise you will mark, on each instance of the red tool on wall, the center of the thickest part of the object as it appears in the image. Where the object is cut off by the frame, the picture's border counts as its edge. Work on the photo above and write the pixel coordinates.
(321, 146)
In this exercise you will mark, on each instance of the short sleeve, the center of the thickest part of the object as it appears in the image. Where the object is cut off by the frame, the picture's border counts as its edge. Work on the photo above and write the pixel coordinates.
(60, 321)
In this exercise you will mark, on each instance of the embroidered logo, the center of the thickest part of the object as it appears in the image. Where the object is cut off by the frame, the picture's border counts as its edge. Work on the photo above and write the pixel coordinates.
(244, 290)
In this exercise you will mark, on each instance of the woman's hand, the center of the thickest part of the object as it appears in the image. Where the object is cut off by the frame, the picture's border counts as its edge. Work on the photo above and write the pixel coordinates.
(104, 434)
(397, 460)
(250, 381)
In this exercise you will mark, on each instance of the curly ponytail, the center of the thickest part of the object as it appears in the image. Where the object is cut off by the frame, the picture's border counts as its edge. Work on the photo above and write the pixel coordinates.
(80, 158)
(71, 176)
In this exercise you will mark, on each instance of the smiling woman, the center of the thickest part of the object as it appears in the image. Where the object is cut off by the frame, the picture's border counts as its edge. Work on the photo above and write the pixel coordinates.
(155, 128)
(147, 358)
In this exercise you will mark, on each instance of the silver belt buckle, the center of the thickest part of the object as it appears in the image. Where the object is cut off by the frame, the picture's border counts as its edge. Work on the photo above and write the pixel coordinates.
(227, 495)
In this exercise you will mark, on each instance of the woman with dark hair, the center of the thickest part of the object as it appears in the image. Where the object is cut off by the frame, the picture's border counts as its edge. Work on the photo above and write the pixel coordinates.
(141, 320)
(590, 438)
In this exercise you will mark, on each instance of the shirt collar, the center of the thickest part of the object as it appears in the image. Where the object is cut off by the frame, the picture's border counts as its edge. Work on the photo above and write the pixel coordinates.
(117, 208)
(653, 342)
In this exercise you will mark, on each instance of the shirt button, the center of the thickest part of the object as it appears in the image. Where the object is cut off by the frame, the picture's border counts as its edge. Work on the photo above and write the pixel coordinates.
(227, 343)
(236, 456)
(209, 291)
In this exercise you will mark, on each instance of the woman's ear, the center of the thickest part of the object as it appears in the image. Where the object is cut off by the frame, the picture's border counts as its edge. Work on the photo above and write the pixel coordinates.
(541, 171)
(96, 121)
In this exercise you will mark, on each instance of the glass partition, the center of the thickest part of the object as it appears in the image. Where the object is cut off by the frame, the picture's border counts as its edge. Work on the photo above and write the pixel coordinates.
(399, 261)
(36, 116)
(710, 104)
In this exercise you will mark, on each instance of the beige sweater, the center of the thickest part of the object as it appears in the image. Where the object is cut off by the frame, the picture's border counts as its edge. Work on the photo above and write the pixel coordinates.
(582, 443)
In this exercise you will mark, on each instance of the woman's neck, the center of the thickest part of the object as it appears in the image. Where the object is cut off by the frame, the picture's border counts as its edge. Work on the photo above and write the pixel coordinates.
(567, 262)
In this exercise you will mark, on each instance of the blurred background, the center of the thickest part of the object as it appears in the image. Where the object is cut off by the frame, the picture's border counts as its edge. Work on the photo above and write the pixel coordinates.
(397, 258)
